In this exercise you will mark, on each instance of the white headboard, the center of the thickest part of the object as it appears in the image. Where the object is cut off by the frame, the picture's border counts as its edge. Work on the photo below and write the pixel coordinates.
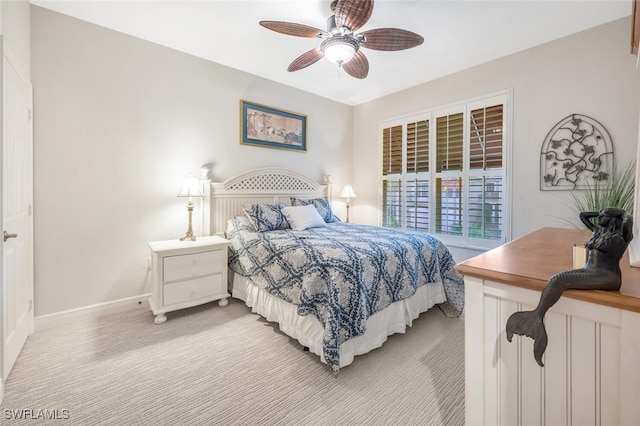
(265, 185)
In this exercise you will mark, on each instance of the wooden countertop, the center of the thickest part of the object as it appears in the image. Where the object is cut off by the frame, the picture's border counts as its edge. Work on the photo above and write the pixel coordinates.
(530, 261)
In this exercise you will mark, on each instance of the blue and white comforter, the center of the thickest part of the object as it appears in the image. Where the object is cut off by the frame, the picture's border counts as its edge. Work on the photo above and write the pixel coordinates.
(343, 273)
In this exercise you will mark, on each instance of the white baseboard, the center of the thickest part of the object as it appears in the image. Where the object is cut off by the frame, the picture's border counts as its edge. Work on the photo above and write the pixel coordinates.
(57, 319)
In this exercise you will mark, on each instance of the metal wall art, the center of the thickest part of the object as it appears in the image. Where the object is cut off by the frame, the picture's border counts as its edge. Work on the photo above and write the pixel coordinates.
(576, 153)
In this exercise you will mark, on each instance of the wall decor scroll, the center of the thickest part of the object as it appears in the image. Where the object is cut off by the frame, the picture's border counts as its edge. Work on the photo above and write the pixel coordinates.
(576, 153)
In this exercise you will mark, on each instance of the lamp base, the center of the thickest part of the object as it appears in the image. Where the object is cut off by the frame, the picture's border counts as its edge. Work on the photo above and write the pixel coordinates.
(188, 236)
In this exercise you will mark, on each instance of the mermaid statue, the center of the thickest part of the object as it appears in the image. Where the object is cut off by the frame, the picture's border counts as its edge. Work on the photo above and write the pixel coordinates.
(609, 240)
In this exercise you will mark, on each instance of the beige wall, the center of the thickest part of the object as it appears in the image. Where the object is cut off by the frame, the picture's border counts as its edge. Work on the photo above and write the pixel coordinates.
(590, 73)
(14, 27)
(119, 122)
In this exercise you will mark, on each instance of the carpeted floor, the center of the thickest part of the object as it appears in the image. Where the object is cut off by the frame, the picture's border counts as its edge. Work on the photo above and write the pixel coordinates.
(225, 366)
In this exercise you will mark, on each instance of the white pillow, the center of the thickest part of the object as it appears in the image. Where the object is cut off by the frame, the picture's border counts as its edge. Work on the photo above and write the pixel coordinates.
(303, 217)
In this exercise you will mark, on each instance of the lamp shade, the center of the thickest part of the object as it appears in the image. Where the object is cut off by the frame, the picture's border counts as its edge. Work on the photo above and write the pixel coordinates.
(339, 49)
(191, 188)
(347, 192)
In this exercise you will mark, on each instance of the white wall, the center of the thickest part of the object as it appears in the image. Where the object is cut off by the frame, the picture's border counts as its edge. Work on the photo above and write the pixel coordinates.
(119, 122)
(590, 73)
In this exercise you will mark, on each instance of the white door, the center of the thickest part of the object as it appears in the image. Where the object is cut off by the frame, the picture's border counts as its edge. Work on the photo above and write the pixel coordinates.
(17, 218)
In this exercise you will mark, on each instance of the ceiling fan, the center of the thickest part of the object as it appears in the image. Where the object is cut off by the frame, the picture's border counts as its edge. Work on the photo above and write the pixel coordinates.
(339, 43)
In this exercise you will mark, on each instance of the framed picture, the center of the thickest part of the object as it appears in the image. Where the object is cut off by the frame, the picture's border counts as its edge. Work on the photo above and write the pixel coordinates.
(274, 128)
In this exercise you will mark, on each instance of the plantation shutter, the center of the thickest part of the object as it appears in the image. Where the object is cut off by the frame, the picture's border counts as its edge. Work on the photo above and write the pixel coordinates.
(392, 141)
(485, 139)
(392, 150)
(449, 214)
(418, 205)
(485, 207)
(417, 183)
(449, 142)
(486, 189)
(444, 171)
(449, 160)
(418, 147)
(392, 203)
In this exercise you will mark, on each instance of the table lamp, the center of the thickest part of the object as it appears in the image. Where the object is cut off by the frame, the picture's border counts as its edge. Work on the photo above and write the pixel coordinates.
(347, 192)
(190, 189)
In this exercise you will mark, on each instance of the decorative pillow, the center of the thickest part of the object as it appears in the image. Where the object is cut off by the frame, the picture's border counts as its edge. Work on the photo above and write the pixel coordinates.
(266, 217)
(303, 217)
(241, 223)
(321, 204)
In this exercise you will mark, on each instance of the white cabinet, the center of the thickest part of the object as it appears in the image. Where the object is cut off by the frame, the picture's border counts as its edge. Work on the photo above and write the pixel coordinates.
(187, 273)
(591, 373)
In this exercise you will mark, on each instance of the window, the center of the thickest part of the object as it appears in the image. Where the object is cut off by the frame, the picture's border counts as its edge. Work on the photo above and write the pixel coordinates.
(444, 171)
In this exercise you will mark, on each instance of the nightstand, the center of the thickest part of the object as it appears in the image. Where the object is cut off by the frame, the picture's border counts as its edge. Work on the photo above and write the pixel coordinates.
(187, 273)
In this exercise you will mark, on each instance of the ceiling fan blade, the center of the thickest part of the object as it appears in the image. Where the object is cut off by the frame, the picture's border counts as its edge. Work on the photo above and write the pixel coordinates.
(357, 67)
(391, 39)
(353, 13)
(293, 29)
(306, 59)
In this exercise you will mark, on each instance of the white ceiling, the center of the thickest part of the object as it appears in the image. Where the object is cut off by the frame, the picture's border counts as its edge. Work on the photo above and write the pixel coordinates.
(458, 34)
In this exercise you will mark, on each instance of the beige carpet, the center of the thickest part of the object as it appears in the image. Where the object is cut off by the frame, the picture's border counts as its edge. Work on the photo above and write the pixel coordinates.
(221, 366)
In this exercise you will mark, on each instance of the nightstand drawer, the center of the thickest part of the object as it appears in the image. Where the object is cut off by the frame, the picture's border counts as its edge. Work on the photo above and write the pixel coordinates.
(195, 265)
(199, 288)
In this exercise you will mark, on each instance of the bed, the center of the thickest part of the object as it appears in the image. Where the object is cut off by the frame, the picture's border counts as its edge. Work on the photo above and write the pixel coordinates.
(339, 289)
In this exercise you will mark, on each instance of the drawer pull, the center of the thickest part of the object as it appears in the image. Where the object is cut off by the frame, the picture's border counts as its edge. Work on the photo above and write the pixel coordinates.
(195, 260)
(194, 290)
(194, 273)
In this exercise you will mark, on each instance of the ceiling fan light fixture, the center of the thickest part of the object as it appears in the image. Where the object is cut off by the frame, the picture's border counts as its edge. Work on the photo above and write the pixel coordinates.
(339, 49)
(341, 45)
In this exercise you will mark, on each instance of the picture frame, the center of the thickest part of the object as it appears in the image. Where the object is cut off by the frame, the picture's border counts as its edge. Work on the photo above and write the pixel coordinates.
(265, 126)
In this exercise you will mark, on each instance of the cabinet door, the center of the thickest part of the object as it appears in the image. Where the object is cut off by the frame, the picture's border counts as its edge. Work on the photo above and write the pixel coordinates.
(581, 377)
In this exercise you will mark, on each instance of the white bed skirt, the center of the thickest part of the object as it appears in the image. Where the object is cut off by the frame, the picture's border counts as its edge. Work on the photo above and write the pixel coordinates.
(308, 331)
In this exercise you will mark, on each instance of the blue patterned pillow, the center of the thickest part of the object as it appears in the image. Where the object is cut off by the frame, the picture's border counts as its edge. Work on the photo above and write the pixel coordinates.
(266, 217)
(321, 204)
